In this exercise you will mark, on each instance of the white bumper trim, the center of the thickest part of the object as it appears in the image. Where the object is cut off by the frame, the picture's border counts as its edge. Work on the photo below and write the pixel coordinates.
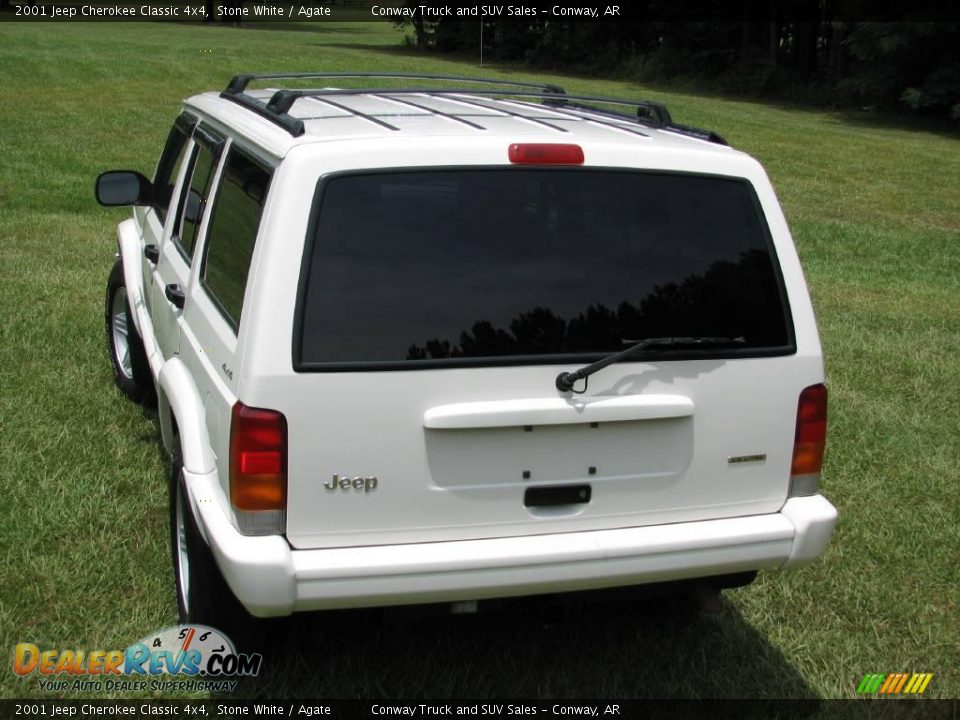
(813, 518)
(271, 579)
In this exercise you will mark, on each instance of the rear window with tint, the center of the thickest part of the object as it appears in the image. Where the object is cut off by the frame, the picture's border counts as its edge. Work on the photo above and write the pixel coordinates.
(505, 266)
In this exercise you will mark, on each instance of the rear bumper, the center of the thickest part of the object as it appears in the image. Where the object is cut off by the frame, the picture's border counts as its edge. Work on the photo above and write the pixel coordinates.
(271, 579)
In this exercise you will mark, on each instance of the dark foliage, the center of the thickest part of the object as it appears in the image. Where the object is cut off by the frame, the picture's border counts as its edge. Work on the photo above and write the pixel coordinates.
(805, 49)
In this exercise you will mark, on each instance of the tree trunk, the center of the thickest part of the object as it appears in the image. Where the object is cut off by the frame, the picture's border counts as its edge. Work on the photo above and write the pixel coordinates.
(806, 48)
(837, 31)
(774, 34)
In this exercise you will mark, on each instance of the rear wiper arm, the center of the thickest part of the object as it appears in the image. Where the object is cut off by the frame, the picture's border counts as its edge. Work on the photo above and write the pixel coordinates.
(566, 380)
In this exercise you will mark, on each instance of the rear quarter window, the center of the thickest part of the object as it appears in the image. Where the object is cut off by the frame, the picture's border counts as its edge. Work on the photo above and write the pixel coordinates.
(193, 200)
(234, 223)
(509, 265)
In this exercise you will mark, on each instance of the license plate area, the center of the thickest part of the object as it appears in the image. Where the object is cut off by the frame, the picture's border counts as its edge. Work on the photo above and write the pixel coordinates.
(540, 456)
(556, 495)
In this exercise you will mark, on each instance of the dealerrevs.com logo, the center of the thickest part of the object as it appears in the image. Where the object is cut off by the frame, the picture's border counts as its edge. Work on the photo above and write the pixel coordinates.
(185, 657)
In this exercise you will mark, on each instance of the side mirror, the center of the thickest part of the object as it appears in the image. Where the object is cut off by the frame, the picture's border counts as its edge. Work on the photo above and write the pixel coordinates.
(123, 187)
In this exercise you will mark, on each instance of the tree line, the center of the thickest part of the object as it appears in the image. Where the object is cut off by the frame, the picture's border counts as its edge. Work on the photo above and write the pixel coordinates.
(820, 50)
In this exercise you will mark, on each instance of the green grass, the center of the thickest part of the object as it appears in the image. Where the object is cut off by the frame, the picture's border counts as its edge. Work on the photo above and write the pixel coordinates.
(83, 520)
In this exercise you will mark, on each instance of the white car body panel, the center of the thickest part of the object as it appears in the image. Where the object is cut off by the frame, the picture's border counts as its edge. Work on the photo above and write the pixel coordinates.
(449, 447)
(418, 498)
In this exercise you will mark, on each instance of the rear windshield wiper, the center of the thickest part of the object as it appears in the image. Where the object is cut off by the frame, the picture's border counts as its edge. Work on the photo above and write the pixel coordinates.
(566, 380)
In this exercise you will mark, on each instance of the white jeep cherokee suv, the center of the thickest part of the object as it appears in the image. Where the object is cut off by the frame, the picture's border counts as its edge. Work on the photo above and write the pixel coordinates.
(466, 340)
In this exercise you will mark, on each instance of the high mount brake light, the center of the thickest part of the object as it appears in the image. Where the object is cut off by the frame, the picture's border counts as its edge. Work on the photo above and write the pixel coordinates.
(809, 441)
(545, 154)
(258, 459)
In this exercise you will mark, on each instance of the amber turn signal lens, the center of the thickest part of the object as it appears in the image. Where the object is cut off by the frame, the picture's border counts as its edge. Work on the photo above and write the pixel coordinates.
(258, 459)
(811, 435)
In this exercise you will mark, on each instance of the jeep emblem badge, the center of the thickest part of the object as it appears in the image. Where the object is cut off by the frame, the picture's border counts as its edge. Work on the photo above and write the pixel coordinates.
(366, 484)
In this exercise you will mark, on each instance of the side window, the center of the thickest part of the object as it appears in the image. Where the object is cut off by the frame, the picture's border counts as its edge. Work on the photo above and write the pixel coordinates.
(233, 231)
(193, 199)
(169, 166)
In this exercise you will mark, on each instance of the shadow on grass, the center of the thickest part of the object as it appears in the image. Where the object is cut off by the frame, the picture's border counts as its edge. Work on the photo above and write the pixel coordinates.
(404, 50)
(547, 647)
(895, 121)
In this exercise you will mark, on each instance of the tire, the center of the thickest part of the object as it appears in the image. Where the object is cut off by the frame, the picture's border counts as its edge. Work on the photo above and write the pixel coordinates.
(202, 594)
(128, 360)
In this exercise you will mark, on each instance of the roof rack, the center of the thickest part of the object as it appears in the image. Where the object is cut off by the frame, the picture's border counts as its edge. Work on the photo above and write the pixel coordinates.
(655, 115)
(645, 112)
(238, 83)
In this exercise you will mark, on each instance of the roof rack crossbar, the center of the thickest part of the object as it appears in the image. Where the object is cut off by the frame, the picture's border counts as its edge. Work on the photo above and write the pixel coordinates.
(355, 113)
(509, 113)
(567, 109)
(433, 111)
(655, 115)
(708, 135)
(654, 112)
(238, 84)
(283, 99)
(291, 124)
(647, 112)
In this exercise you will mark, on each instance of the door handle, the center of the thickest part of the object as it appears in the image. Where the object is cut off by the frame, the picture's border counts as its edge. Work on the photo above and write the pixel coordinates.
(151, 253)
(175, 294)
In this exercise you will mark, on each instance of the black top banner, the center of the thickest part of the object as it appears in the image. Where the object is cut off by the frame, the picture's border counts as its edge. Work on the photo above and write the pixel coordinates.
(248, 11)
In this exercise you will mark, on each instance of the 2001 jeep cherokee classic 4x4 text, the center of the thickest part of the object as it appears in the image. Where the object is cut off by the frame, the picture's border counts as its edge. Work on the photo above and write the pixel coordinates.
(431, 344)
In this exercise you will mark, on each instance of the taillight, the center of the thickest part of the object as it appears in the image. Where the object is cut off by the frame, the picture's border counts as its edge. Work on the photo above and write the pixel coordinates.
(809, 441)
(258, 466)
(545, 154)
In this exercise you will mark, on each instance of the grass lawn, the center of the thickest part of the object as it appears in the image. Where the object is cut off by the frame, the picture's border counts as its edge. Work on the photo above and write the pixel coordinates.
(875, 211)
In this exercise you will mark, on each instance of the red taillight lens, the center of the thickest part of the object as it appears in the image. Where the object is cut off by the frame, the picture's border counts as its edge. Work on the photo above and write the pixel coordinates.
(545, 154)
(258, 459)
(811, 436)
